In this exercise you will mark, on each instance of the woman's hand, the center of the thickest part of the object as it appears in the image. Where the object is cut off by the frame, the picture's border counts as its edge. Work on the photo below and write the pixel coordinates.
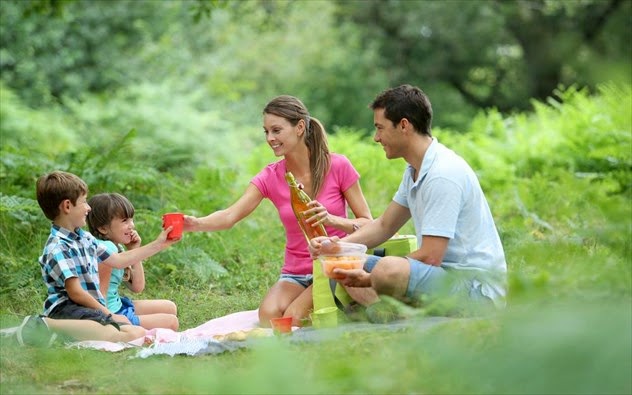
(190, 223)
(317, 214)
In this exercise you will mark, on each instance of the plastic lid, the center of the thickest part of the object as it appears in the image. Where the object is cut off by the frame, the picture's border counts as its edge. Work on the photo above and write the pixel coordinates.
(344, 248)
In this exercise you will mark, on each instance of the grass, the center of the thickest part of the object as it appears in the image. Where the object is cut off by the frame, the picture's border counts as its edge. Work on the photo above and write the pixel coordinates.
(554, 348)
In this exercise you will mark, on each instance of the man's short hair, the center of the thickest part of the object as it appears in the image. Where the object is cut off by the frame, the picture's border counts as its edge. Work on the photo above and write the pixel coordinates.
(406, 101)
(55, 187)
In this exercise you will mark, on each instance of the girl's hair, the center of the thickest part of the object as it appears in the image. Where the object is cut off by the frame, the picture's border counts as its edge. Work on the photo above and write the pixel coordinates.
(105, 207)
(315, 137)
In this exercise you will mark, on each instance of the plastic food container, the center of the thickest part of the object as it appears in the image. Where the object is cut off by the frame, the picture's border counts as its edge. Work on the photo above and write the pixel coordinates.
(342, 255)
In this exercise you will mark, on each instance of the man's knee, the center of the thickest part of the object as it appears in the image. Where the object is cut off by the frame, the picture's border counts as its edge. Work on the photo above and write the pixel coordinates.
(390, 276)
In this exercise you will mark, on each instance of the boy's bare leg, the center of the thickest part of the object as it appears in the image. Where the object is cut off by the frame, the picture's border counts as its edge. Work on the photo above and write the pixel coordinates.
(131, 332)
(120, 318)
(92, 330)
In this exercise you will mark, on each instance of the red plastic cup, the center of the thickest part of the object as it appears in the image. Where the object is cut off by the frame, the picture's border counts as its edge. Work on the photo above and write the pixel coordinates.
(177, 221)
(281, 325)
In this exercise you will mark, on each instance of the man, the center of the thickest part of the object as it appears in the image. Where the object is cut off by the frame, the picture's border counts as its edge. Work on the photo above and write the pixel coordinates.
(460, 254)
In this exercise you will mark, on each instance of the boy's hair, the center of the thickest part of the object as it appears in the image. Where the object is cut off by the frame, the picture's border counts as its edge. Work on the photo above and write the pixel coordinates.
(55, 187)
(104, 208)
(406, 101)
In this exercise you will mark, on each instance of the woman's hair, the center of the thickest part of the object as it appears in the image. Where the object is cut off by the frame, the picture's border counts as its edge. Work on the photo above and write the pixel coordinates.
(53, 188)
(315, 137)
(105, 207)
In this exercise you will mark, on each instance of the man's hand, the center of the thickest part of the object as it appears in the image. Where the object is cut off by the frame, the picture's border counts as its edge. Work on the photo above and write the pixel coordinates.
(322, 245)
(353, 277)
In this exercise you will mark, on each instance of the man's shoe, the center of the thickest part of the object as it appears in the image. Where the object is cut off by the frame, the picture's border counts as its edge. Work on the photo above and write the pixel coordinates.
(35, 332)
(389, 309)
(381, 313)
(355, 312)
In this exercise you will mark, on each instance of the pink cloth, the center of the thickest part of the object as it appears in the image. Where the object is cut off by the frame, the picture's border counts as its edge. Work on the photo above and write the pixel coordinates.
(271, 183)
(240, 321)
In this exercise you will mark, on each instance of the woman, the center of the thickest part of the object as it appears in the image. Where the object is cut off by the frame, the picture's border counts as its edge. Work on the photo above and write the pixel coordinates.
(328, 178)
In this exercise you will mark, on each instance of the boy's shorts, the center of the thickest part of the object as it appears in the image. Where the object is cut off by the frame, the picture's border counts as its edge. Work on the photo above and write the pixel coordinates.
(129, 311)
(303, 280)
(69, 310)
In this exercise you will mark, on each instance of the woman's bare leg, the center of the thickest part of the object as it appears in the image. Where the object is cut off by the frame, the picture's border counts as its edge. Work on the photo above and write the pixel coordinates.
(279, 297)
(300, 307)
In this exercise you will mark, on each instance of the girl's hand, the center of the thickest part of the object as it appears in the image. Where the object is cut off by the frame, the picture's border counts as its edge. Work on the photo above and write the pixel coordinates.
(135, 241)
(162, 237)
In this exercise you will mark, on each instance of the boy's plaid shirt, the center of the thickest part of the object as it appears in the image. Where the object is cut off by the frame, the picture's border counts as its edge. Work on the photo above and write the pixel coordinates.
(71, 254)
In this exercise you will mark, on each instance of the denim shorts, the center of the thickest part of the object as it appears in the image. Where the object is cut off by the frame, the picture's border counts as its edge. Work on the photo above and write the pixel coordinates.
(437, 281)
(302, 280)
(129, 311)
(69, 310)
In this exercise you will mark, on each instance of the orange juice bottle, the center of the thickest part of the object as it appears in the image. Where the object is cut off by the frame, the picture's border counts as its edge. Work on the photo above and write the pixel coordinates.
(299, 200)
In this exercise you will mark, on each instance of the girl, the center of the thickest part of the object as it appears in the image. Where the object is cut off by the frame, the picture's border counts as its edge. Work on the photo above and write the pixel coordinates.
(330, 179)
(112, 221)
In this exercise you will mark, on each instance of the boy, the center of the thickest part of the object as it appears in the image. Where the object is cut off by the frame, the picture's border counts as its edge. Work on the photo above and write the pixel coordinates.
(69, 268)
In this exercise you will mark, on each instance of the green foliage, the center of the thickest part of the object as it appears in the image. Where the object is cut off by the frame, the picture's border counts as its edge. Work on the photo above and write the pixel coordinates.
(335, 55)
(495, 53)
(108, 47)
(77, 49)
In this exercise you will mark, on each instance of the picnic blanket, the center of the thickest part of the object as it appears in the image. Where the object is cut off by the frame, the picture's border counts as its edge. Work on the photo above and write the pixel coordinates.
(197, 342)
(218, 335)
(235, 331)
